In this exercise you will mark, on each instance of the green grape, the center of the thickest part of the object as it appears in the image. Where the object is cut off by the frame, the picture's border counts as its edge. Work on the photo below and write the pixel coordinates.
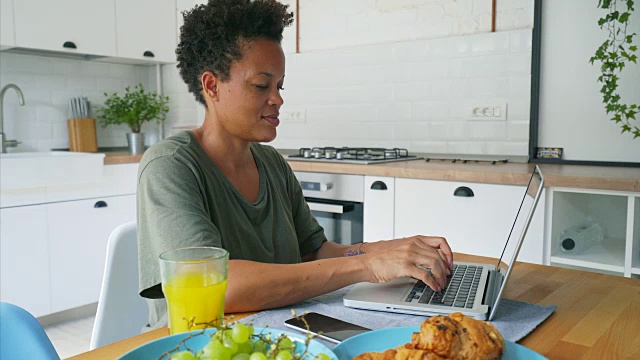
(215, 350)
(257, 356)
(251, 329)
(241, 357)
(322, 356)
(245, 348)
(183, 355)
(260, 346)
(240, 333)
(285, 343)
(284, 355)
(230, 344)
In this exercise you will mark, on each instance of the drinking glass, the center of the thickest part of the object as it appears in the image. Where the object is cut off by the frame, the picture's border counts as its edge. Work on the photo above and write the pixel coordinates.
(194, 281)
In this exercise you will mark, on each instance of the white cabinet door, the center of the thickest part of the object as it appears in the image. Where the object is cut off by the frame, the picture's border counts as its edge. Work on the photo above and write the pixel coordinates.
(146, 29)
(7, 38)
(89, 25)
(24, 259)
(477, 225)
(78, 235)
(378, 208)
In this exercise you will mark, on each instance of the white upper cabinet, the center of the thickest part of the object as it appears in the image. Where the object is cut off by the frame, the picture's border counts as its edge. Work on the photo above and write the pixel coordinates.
(7, 38)
(81, 26)
(146, 29)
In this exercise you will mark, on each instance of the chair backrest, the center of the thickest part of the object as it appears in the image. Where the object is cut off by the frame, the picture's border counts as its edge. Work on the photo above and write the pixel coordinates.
(122, 312)
(22, 336)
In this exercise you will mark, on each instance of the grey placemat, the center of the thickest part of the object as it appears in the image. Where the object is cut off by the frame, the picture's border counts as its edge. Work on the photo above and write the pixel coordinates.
(514, 319)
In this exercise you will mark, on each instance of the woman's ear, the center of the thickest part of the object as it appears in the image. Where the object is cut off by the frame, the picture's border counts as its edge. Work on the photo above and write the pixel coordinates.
(209, 84)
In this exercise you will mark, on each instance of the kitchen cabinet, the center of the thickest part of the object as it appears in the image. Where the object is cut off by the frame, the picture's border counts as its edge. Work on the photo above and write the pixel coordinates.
(616, 250)
(24, 258)
(78, 235)
(77, 26)
(475, 218)
(379, 209)
(146, 30)
(7, 35)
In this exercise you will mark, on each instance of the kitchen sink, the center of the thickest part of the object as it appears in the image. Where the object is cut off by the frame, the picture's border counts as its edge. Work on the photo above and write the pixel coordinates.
(46, 169)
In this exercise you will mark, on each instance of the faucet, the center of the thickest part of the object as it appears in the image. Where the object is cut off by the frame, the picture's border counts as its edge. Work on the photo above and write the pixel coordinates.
(8, 143)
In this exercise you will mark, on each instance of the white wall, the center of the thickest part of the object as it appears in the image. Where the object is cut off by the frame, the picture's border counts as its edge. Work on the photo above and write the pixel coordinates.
(48, 84)
(572, 114)
(399, 73)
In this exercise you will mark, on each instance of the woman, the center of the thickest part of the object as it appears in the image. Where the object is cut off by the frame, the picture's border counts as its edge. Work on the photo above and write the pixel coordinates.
(217, 186)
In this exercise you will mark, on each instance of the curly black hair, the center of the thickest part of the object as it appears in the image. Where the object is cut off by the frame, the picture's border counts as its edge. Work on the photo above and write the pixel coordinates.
(212, 36)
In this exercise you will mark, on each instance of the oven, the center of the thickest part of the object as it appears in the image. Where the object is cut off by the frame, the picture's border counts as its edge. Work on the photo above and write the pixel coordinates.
(336, 200)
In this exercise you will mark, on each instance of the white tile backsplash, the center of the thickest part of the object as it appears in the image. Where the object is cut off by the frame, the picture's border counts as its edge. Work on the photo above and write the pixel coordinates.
(446, 77)
(48, 83)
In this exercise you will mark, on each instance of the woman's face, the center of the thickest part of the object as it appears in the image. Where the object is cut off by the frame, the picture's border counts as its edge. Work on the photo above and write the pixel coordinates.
(247, 105)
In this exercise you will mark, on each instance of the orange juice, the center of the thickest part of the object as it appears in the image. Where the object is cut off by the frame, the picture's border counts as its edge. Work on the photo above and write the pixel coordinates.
(198, 295)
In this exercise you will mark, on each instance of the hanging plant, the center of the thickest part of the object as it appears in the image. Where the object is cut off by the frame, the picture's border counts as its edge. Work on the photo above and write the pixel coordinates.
(614, 54)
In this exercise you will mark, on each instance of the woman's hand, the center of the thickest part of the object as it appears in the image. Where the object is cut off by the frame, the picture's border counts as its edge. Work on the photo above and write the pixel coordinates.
(392, 259)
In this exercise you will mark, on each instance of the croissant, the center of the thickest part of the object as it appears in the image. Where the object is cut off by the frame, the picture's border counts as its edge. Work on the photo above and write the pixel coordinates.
(447, 337)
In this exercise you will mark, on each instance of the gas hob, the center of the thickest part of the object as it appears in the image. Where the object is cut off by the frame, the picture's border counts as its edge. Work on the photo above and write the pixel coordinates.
(353, 155)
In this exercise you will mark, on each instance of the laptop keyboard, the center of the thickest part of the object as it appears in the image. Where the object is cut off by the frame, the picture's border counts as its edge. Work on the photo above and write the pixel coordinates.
(460, 291)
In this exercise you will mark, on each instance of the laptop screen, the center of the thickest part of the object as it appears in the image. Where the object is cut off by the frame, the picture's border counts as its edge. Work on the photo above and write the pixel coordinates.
(517, 229)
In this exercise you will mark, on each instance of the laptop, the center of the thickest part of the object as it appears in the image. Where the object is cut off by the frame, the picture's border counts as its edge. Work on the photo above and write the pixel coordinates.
(473, 289)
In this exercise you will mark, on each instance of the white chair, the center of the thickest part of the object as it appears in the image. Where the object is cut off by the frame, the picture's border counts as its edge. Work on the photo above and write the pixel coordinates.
(122, 312)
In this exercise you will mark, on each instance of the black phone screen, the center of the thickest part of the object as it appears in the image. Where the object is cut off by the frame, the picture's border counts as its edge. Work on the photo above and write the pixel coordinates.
(326, 327)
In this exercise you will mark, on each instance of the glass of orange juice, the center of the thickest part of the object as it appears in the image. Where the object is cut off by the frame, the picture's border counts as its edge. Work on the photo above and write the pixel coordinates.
(194, 281)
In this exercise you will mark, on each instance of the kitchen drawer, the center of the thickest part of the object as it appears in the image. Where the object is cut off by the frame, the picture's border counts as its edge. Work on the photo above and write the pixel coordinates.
(78, 235)
(477, 225)
(378, 218)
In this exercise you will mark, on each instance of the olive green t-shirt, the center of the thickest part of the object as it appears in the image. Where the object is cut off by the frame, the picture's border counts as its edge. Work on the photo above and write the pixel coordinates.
(184, 199)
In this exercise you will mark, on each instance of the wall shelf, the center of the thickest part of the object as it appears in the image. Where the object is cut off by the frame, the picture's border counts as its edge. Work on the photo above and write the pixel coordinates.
(606, 256)
(617, 212)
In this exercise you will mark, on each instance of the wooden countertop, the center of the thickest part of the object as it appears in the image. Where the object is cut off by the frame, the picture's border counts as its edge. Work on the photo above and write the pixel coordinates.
(597, 315)
(121, 157)
(572, 176)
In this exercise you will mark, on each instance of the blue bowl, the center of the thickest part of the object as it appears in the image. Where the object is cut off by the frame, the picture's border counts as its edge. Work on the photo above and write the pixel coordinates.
(384, 339)
(153, 350)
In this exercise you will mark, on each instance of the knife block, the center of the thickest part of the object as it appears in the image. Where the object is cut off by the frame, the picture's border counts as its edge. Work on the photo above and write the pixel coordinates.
(82, 135)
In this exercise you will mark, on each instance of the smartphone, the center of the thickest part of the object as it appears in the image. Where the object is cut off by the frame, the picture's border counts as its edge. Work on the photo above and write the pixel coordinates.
(326, 327)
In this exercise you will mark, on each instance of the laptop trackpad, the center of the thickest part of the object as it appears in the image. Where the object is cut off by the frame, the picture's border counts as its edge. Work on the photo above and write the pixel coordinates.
(391, 291)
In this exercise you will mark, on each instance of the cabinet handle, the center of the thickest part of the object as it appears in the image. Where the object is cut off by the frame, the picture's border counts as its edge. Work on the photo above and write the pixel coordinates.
(148, 54)
(100, 204)
(378, 185)
(463, 191)
(69, 45)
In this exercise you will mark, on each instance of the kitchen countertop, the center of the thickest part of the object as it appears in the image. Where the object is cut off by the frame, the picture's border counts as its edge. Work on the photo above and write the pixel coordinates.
(513, 173)
(596, 318)
(573, 176)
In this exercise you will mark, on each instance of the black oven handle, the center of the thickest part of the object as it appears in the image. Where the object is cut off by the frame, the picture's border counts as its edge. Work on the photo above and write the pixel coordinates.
(329, 206)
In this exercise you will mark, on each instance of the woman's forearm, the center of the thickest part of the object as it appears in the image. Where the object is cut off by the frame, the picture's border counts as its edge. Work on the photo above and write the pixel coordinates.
(256, 286)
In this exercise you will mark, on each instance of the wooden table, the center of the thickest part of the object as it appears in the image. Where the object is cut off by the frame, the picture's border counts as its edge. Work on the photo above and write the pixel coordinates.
(598, 316)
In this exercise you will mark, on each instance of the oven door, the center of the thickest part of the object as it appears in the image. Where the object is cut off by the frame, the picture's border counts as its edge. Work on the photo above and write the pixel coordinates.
(341, 220)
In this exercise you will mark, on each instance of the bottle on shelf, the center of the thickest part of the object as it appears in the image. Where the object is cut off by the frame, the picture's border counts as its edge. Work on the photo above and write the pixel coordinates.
(578, 238)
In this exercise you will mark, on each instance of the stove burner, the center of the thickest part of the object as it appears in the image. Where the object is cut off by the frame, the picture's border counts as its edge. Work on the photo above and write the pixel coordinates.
(465, 161)
(354, 154)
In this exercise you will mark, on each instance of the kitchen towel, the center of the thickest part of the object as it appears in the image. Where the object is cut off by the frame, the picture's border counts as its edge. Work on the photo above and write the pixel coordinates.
(514, 319)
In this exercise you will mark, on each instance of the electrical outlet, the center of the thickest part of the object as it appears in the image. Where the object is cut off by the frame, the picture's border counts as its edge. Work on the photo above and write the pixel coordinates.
(293, 115)
(488, 112)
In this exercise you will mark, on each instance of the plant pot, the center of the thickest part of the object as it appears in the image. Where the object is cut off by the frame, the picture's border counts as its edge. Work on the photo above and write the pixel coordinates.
(136, 143)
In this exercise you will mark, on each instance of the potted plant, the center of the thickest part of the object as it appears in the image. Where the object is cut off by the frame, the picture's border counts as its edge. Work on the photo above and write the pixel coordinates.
(136, 107)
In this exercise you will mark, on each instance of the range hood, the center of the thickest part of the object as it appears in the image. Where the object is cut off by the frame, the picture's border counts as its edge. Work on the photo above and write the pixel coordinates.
(50, 54)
